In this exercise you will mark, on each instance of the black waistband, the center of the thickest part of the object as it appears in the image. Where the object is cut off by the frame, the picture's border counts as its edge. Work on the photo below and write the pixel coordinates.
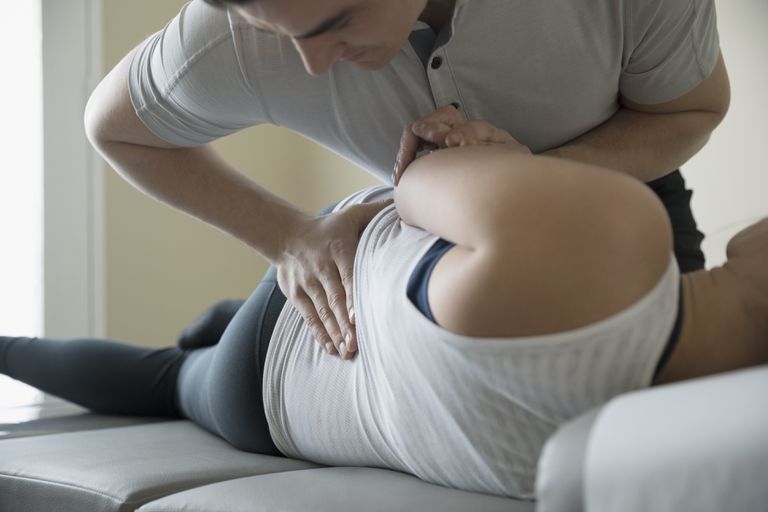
(674, 335)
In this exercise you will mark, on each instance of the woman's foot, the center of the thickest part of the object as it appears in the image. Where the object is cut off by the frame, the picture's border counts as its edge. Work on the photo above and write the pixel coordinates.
(206, 329)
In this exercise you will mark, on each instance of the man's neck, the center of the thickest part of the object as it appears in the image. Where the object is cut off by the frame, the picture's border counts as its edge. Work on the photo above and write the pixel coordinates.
(437, 13)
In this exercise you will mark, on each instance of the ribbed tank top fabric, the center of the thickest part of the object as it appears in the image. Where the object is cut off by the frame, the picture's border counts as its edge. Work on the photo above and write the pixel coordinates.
(464, 412)
(418, 287)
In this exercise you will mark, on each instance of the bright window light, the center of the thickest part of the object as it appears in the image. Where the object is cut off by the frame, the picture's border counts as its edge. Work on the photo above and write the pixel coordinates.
(21, 205)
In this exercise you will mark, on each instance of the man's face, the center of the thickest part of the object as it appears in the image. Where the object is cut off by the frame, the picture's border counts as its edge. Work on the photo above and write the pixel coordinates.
(366, 32)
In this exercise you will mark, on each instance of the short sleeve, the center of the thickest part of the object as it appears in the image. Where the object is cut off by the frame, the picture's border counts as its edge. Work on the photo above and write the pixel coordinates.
(186, 82)
(672, 46)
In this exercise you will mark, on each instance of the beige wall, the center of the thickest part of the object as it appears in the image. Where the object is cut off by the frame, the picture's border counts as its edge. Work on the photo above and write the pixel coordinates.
(730, 175)
(164, 267)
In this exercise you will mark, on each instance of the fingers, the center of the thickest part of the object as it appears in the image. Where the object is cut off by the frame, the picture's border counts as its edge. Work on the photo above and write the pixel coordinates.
(316, 274)
(479, 132)
(344, 256)
(341, 299)
(409, 144)
(434, 127)
(474, 133)
(431, 129)
(322, 300)
(313, 304)
(339, 293)
(447, 114)
(445, 128)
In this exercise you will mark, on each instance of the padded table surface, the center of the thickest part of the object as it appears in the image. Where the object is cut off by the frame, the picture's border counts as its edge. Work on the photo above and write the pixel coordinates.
(333, 489)
(120, 469)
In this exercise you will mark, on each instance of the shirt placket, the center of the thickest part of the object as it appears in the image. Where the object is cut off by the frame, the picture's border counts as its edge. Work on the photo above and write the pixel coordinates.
(442, 81)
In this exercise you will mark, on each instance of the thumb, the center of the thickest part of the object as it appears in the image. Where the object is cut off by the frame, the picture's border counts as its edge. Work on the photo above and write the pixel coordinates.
(367, 211)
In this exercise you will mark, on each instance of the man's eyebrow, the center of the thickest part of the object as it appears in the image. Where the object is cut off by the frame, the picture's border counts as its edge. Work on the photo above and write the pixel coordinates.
(326, 25)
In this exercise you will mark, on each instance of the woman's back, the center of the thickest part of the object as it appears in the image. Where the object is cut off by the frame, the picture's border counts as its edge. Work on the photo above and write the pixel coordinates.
(465, 412)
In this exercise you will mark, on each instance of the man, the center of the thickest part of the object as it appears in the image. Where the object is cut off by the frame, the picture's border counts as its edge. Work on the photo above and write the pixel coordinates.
(633, 85)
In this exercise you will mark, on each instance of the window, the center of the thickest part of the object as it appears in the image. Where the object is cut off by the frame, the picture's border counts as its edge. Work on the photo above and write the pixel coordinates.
(50, 179)
(21, 183)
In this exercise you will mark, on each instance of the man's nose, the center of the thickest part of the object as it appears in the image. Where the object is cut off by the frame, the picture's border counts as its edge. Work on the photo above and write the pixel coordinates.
(318, 56)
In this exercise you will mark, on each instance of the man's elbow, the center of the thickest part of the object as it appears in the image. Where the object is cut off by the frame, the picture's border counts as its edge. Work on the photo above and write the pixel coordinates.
(721, 106)
(712, 120)
(109, 116)
(104, 114)
(715, 94)
(93, 122)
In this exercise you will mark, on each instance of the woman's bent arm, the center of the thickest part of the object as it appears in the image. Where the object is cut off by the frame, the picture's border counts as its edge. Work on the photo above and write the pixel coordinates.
(460, 193)
(543, 245)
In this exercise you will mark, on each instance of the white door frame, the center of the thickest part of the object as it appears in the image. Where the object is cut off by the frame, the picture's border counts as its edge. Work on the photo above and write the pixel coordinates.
(73, 235)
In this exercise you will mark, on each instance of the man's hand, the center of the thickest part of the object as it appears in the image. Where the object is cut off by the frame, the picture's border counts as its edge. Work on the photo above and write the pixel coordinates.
(315, 274)
(445, 128)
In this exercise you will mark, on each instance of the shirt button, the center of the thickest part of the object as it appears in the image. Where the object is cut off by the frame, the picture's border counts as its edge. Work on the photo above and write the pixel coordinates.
(436, 62)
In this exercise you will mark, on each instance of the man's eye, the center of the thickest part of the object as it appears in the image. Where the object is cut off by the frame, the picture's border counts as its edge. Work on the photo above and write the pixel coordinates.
(266, 32)
(342, 25)
(263, 30)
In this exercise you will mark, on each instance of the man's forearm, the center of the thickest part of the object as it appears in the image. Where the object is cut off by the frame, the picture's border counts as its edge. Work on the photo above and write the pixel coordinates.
(647, 146)
(200, 183)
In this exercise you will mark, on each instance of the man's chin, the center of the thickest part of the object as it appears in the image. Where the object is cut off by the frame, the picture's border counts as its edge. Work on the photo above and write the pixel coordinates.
(370, 65)
(374, 62)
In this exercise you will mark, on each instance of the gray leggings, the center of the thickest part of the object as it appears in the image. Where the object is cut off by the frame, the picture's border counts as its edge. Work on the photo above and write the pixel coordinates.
(218, 387)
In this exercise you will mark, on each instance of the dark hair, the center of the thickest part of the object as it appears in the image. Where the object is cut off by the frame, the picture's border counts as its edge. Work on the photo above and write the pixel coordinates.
(223, 3)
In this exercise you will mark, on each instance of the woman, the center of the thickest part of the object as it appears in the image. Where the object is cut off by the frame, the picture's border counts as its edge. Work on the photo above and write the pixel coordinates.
(557, 291)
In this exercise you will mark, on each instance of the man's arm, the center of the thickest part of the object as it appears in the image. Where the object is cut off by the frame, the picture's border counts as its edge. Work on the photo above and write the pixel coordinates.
(650, 141)
(194, 180)
(314, 256)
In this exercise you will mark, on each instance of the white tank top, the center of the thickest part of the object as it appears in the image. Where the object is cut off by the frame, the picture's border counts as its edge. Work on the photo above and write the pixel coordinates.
(463, 412)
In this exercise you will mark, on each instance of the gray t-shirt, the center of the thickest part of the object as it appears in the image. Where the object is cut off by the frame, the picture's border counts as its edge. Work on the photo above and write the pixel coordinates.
(545, 71)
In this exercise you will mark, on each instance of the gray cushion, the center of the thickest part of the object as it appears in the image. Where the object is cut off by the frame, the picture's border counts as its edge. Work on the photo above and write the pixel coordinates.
(71, 423)
(699, 445)
(333, 489)
(119, 469)
(560, 476)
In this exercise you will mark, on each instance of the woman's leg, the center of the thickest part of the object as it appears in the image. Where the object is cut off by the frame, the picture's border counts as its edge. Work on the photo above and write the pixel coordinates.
(220, 387)
(207, 328)
(109, 377)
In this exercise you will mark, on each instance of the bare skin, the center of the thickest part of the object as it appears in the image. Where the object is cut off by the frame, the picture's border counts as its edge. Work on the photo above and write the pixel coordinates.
(725, 312)
(314, 256)
(545, 246)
